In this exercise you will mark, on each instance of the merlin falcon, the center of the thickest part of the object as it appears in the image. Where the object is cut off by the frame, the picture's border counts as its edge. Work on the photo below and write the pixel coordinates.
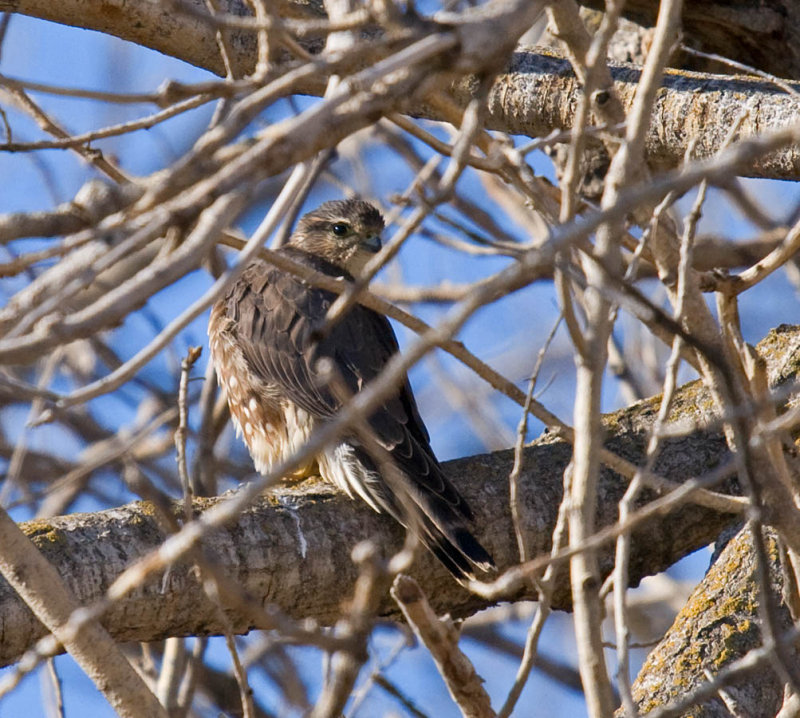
(267, 345)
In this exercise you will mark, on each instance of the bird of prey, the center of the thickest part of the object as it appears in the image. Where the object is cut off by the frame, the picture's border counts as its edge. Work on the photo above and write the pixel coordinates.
(266, 345)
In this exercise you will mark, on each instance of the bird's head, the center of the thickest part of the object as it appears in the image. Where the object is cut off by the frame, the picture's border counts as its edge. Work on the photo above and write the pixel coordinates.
(347, 233)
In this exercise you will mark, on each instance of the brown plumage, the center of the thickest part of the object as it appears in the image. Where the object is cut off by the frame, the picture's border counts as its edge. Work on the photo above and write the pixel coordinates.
(265, 349)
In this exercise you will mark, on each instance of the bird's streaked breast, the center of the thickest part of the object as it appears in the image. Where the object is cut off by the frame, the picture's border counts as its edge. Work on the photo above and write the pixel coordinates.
(272, 429)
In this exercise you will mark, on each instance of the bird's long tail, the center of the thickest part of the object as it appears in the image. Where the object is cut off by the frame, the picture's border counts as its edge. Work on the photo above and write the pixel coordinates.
(442, 525)
(448, 536)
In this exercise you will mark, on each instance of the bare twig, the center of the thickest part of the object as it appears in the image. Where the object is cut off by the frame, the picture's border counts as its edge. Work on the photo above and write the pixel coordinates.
(441, 639)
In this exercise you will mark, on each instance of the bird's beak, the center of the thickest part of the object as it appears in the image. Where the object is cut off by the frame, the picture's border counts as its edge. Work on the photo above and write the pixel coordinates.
(373, 244)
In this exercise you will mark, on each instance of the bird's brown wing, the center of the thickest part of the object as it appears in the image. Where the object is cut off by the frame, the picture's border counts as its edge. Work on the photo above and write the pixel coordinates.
(277, 322)
(275, 318)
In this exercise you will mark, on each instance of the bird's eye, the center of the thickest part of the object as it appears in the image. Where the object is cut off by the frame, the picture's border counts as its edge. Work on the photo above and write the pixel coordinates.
(340, 229)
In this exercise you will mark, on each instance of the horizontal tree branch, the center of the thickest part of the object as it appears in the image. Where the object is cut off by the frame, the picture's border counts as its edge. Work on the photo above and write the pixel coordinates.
(536, 94)
(291, 550)
(764, 35)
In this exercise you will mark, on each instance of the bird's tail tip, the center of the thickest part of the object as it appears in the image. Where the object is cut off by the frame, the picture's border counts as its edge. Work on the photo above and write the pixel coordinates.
(462, 554)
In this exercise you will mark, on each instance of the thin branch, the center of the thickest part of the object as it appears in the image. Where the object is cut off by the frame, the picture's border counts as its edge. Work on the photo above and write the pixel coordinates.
(441, 639)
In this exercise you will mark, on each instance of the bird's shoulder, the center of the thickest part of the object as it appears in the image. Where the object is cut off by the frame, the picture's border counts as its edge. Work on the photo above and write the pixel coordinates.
(271, 312)
(268, 299)
(265, 284)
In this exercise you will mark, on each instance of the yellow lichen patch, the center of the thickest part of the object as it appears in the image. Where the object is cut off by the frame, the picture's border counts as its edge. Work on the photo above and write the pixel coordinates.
(314, 480)
(711, 631)
(773, 550)
(732, 638)
(272, 499)
(201, 503)
(42, 532)
(144, 515)
(692, 402)
(778, 343)
(146, 508)
(780, 349)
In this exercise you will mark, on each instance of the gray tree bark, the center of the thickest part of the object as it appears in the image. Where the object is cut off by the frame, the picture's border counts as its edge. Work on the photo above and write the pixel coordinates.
(290, 551)
(535, 94)
(764, 34)
(718, 626)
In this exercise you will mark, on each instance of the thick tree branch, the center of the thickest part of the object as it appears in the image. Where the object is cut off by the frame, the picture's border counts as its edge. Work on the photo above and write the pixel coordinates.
(718, 626)
(291, 550)
(536, 94)
(37, 581)
(765, 35)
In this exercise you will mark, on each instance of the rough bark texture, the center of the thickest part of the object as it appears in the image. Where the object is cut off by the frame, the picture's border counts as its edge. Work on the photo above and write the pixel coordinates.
(539, 93)
(718, 625)
(291, 549)
(761, 33)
